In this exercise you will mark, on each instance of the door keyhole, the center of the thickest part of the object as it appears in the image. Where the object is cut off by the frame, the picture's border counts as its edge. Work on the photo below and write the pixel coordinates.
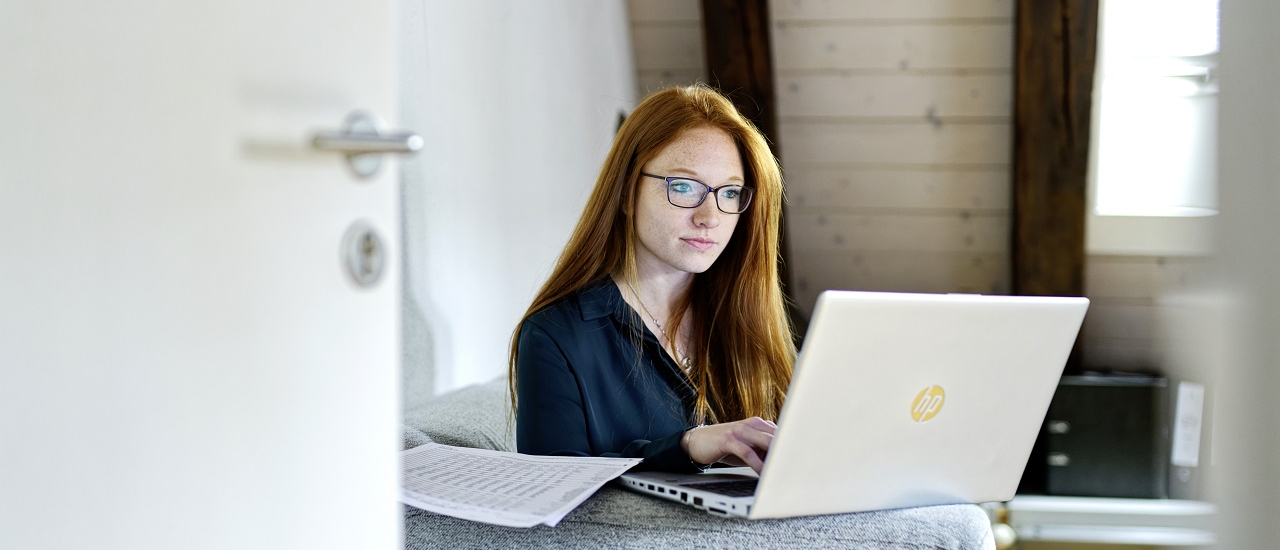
(364, 255)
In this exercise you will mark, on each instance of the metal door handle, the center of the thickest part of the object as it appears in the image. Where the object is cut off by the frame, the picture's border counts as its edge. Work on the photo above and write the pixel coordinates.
(402, 142)
(364, 142)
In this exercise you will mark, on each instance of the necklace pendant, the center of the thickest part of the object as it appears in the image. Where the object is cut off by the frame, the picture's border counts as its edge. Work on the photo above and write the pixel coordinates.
(687, 363)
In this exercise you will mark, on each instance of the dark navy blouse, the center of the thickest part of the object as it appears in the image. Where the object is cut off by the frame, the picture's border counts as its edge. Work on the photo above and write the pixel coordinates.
(586, 389)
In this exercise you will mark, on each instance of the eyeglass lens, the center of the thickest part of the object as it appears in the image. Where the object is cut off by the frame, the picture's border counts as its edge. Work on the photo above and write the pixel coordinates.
(689, 194)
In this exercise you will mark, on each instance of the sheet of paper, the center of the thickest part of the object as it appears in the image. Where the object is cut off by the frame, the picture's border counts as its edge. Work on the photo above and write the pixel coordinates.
(502, 488)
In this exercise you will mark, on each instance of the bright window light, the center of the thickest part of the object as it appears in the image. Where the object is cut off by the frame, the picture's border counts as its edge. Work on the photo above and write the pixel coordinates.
(1156, 109)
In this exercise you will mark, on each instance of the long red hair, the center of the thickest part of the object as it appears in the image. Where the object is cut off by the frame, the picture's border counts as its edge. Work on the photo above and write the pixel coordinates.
(742, 340)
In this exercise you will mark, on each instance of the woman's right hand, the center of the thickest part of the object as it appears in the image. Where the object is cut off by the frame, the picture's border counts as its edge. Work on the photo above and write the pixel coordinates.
(742, 443)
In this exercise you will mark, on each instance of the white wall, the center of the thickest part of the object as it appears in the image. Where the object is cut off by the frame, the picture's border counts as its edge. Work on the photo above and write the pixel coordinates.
(518, 103)
(1247, 443)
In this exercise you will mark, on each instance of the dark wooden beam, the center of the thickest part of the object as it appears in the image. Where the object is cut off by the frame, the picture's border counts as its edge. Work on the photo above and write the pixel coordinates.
(1054, 49)
(1055, 43)
(739, 60)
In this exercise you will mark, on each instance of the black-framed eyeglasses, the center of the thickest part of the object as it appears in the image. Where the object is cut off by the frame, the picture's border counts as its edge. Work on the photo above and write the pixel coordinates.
(690, 193)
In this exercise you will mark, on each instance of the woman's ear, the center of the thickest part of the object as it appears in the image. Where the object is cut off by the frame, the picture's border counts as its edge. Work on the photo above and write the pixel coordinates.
(627, 195)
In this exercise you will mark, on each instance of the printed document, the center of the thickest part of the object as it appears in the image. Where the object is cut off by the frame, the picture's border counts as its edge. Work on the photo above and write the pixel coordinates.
(502, 488)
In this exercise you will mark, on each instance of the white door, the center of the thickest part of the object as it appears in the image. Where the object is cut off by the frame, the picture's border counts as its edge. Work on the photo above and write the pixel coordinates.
(184, 362)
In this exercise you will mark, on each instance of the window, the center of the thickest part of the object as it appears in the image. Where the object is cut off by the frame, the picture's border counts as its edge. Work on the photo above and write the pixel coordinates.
(1153, 166)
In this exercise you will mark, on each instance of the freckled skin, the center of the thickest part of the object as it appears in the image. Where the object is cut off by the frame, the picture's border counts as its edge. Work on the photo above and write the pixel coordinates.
(707, 155)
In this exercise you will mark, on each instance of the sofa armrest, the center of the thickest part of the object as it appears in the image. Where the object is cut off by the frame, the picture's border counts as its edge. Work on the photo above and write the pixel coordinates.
(617, 518)
(474, 416)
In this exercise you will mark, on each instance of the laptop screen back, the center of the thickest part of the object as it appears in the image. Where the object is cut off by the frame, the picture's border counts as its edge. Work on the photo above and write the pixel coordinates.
(915, 399)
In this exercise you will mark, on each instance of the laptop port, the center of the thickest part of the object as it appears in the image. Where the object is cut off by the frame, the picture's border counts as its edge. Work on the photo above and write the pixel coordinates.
(684, 497)
(697, 501)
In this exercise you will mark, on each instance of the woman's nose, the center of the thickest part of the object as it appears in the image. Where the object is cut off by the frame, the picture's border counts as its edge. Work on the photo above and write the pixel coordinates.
(707, 214)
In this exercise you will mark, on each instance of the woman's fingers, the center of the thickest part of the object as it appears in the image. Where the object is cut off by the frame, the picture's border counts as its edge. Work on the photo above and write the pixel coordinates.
(747, 454)
(761, 424)
(747, 441)
(751, 448)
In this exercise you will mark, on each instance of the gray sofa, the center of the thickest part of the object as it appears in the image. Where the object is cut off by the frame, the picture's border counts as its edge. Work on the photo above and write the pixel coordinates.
(616, 518)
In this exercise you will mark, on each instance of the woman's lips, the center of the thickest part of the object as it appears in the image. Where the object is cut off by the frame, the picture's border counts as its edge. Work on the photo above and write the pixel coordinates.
(700, 244)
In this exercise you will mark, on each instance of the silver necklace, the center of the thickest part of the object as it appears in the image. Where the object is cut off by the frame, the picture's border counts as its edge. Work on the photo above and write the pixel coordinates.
(684, 361)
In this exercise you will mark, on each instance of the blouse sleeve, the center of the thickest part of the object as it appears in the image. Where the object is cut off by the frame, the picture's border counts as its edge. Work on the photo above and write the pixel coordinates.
(552, 420)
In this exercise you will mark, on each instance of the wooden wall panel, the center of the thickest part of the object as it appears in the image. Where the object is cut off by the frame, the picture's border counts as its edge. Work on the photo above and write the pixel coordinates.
(654, 11)
(924, 97)
(933, 233)
(824, 45)
(1143, 278)
(943, 190)
(898, 271)
(864, 10)
(1135, 308)
(1122, 321)
(666, 36)
(896, 117)
(654, 80)
(668, 46)
(877, 143)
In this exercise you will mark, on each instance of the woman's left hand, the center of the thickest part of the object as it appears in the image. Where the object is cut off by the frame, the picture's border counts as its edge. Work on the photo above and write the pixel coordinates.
(742, 443)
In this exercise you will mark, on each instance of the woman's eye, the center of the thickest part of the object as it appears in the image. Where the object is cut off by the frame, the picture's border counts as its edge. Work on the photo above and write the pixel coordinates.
(682, 187)
(730, 193)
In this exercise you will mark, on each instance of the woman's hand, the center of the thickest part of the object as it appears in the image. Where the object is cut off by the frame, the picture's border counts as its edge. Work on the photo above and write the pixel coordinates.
(745, 442)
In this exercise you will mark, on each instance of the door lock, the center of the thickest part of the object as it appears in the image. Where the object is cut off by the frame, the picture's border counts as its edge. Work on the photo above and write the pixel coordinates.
(363, 254)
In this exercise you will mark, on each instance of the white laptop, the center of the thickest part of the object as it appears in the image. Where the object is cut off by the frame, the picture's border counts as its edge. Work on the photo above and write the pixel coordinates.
(900, 400)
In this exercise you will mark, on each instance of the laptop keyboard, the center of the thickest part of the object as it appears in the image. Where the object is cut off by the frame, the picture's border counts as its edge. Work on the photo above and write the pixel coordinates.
(735, 488)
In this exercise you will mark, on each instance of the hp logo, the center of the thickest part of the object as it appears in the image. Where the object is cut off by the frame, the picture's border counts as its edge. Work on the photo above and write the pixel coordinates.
(927, 404)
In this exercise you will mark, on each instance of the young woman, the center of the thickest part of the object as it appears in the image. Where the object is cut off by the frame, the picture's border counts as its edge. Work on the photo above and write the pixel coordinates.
(662, 332)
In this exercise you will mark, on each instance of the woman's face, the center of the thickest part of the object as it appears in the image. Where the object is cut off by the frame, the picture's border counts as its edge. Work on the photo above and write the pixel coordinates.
(674, 239)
